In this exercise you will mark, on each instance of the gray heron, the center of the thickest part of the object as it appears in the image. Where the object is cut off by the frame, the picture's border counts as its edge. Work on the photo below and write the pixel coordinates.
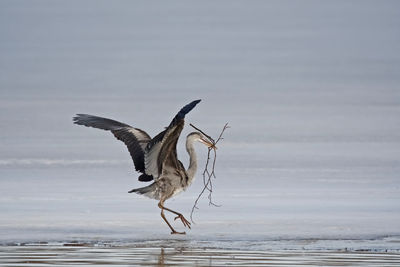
(156, 158)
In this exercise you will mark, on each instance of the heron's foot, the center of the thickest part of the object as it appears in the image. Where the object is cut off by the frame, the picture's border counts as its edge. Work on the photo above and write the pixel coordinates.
(178, 233)
(185, 222)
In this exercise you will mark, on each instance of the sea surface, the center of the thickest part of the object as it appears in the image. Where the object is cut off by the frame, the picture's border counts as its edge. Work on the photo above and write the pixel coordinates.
(308, 173)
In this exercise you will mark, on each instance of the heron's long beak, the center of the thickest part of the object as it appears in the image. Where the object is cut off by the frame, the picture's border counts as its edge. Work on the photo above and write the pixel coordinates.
(207, 143)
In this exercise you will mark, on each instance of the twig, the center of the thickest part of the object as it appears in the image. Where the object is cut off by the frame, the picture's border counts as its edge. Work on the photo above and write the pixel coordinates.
(208, 174)
(209, 137)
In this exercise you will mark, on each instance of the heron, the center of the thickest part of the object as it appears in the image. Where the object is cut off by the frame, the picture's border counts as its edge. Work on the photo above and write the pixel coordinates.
(156, 158)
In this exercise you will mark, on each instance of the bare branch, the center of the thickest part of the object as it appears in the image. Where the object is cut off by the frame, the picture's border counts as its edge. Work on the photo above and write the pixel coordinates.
(206, 135)
(208, 173)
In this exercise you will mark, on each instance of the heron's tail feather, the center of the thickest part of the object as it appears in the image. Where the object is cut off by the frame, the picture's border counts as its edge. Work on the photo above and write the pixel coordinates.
(149, 191)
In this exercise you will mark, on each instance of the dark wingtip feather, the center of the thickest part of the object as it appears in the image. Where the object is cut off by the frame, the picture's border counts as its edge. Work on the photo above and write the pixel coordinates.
(77, 119)
(98, 122)
(186, 109)
(145, 178)
(178, 117)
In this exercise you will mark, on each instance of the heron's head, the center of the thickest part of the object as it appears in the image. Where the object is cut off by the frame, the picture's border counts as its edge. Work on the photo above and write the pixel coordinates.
(197, 136)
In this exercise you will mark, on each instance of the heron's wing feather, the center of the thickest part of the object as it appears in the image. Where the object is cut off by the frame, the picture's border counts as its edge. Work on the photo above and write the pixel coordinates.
(136, 142)
(162, 148)
(98, 122)
(135, 139)
(168, 155)
(151, 155)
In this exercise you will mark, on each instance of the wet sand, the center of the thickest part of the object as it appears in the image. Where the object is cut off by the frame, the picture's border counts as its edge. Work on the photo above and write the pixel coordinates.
(88, 254)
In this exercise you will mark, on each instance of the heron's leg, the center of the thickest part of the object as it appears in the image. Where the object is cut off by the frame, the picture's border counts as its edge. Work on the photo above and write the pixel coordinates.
(185, 222)
(165, 219)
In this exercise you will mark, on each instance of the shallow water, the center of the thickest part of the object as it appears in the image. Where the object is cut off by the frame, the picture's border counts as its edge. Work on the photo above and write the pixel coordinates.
(84, 254)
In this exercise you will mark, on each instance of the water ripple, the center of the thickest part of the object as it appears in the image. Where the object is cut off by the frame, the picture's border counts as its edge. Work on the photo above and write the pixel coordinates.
(88, 254)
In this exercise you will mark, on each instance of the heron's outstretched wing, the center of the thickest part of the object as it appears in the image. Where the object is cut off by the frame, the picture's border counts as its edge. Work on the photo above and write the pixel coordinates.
(162, 148)
(135, 139)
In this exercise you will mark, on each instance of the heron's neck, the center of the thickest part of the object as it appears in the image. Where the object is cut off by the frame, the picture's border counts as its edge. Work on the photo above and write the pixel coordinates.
(191, 171)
